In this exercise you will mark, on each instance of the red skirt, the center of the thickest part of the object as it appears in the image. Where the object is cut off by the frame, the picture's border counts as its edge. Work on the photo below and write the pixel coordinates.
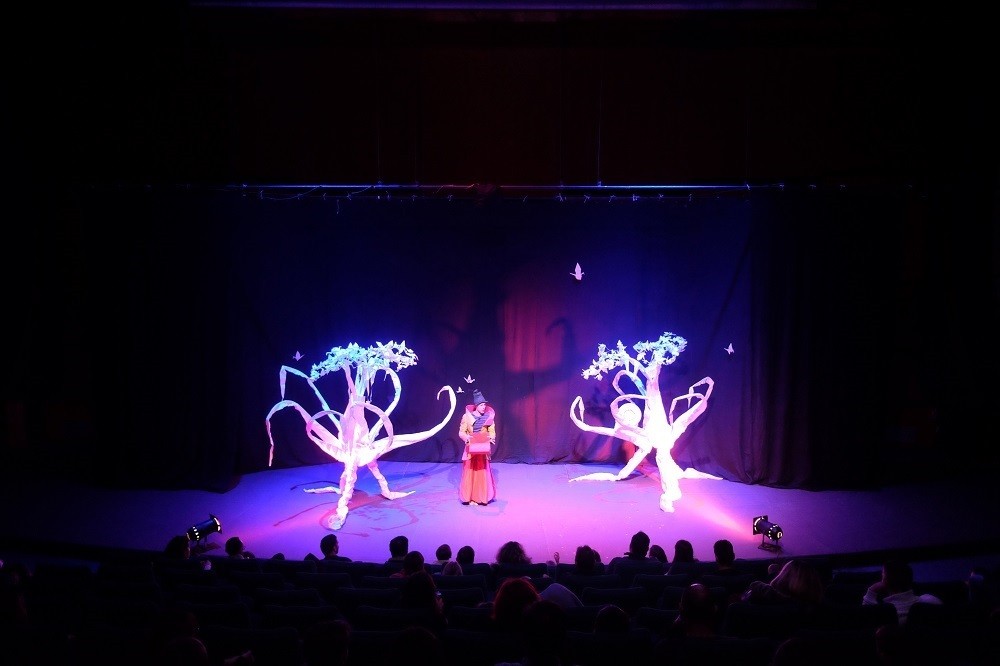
(477, 480)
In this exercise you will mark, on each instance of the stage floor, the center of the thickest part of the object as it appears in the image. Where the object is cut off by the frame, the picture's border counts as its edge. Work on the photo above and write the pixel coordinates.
(949, 521)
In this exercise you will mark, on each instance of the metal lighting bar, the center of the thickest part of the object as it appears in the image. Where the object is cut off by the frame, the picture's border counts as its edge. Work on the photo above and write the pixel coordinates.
(484, 191)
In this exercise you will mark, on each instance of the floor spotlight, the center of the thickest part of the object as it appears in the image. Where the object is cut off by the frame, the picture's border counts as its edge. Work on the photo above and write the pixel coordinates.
(201, 530)
(767, 530)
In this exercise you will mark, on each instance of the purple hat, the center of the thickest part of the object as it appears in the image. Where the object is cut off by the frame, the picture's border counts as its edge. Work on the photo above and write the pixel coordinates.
(477, 397)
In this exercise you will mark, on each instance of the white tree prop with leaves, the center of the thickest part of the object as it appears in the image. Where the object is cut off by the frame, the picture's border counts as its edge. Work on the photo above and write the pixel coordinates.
(653, 428)
(352, 441)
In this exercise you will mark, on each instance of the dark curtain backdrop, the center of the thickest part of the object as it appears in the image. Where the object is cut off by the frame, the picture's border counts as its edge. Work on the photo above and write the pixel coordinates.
(164, 319)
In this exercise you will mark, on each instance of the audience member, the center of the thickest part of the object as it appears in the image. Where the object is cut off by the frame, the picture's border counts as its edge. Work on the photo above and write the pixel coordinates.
(612, 619)
(443, 554)
(538, 615)
(561, 595)
(465, 555)
(657, 553)
(17, 572)
(416, 645)
(683, 552)
(236, 549)
(13, 603)
(183, 651)
(896, 588)
(984, 591)
(452, 568)
(894, 646)
(797, 581)
(399, 546)
(412, 563)
(698, 614)
(326, 643)
(512, 597)
(772, 569)
(512, 552)
(543, 635)
(585, 562)
(725, 557)
(329, 546)
(420, 592)
(174, 641)
(821, 651)
(638, 548)
(178, 548)
(170, 624)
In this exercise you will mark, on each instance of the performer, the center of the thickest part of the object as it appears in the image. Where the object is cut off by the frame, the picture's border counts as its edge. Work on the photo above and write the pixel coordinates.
(478, 425)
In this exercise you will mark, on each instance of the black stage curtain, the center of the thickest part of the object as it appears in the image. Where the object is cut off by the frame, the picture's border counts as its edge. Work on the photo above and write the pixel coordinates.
(164, 319)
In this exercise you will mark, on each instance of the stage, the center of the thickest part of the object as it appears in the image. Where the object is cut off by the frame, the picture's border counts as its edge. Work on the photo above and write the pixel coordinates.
(945, 523)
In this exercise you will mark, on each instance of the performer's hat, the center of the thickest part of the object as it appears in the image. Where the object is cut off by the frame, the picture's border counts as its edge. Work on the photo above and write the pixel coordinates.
(477, 397)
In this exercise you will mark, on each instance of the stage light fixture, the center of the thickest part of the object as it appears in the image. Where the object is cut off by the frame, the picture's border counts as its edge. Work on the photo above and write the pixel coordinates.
(201, 530)
(767, 530)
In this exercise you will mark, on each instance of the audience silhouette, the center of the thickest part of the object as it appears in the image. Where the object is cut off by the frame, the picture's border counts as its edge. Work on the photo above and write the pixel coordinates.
(413, 562)
(586, 561)
(896, 588)
(399, 546)
(452, 568)
(419, 592)
(698, 612)
(465, 555)
(225, 618)
(329, 546)
(797, 581)
(725, 557)
(612, 619)
(683, 552)
(184, 651)
(638, 549)
(542, 634)
(178, 548)
(512, 597)
(326, 643)
(512, 552)
(415, 645)
(236, 549)
(443, 554)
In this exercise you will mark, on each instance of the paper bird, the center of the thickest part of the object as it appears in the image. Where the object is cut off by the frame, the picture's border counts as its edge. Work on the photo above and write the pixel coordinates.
(459, 390)
(298, 356)
(578, 273)
(730, 348)
(469, 379)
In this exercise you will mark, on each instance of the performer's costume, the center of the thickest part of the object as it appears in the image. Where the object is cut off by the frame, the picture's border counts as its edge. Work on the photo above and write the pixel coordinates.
(477, 483)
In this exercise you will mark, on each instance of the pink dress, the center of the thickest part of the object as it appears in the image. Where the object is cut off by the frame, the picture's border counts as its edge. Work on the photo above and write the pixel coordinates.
(477, 484)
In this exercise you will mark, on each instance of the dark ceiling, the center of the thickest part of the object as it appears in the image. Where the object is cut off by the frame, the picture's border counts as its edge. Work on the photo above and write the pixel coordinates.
(528, 94)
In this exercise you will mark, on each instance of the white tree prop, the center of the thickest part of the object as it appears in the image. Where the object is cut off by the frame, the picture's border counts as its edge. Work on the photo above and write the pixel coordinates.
(654, 427)
(352, 441)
